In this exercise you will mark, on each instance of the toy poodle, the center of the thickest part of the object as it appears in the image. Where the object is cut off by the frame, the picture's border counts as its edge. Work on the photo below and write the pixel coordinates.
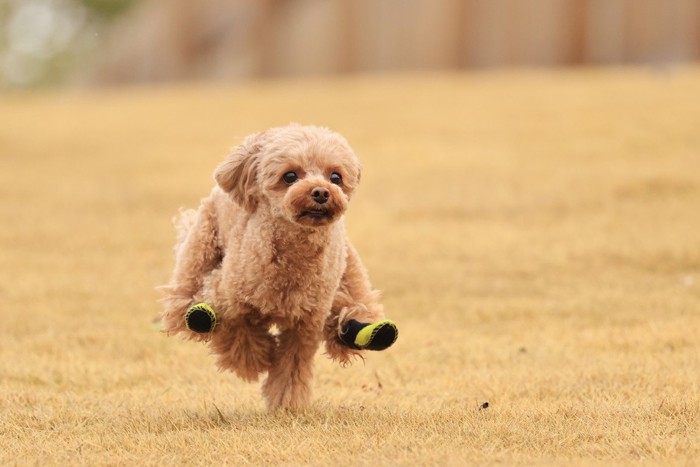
(264, 271)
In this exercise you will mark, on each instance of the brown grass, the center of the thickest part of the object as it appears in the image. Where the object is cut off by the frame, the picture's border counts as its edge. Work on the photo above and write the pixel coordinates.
(537, 236)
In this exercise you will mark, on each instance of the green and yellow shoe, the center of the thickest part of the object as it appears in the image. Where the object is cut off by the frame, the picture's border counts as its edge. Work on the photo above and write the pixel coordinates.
(369, 336)
(200, 318)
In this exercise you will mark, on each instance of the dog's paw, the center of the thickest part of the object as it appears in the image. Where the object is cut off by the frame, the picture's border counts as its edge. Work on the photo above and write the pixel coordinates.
(200, 318)
(369, 336)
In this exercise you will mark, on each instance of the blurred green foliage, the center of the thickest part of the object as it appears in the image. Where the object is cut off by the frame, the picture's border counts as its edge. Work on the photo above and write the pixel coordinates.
(108, 9)
(45, 42)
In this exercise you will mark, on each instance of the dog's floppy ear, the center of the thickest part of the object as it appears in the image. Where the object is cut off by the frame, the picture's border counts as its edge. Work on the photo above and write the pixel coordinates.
(237, 174)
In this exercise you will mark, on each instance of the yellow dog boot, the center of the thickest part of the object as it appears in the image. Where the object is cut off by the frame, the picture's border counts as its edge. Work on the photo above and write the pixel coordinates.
(200, 318)
(369, 336)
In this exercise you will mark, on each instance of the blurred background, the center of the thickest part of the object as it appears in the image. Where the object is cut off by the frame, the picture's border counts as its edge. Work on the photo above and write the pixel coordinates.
(98, 42)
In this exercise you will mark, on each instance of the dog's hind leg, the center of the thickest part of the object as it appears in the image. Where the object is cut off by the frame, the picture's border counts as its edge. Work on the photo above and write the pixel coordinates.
(244, 346)
(288, 384)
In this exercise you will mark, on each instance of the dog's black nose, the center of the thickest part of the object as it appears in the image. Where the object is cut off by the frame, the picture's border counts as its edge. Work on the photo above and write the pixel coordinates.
(320, 195)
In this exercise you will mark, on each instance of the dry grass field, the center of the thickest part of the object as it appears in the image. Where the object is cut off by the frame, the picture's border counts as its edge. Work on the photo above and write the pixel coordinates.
(536, 235)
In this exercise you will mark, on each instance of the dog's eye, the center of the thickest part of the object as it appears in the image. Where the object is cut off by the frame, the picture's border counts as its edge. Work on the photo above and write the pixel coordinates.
(336, 178)
(290, 177)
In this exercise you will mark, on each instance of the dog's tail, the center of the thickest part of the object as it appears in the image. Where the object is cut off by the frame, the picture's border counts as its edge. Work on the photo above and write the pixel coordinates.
(183, 222)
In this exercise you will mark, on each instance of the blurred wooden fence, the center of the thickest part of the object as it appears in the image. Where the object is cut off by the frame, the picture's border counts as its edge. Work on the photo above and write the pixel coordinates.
(187, 39)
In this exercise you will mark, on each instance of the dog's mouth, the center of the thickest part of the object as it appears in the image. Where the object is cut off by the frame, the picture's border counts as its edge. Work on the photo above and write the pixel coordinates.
(316, 213)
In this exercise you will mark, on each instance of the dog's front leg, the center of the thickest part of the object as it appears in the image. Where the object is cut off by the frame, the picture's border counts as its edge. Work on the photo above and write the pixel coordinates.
(355, 307)
(288, 384)
(197, 255)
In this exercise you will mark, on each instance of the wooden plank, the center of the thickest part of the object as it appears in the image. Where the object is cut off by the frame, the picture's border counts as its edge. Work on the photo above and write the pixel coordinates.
(487, 33)
(306, 38)
(605, 37)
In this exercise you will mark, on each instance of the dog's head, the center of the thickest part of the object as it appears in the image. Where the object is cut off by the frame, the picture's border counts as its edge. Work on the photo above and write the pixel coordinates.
(305, 174)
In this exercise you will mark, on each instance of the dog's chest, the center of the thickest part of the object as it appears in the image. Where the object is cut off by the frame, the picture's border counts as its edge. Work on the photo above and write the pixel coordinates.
(298, 279)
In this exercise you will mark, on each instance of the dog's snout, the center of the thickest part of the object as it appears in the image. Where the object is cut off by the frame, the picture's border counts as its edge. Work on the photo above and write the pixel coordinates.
(320, 194)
